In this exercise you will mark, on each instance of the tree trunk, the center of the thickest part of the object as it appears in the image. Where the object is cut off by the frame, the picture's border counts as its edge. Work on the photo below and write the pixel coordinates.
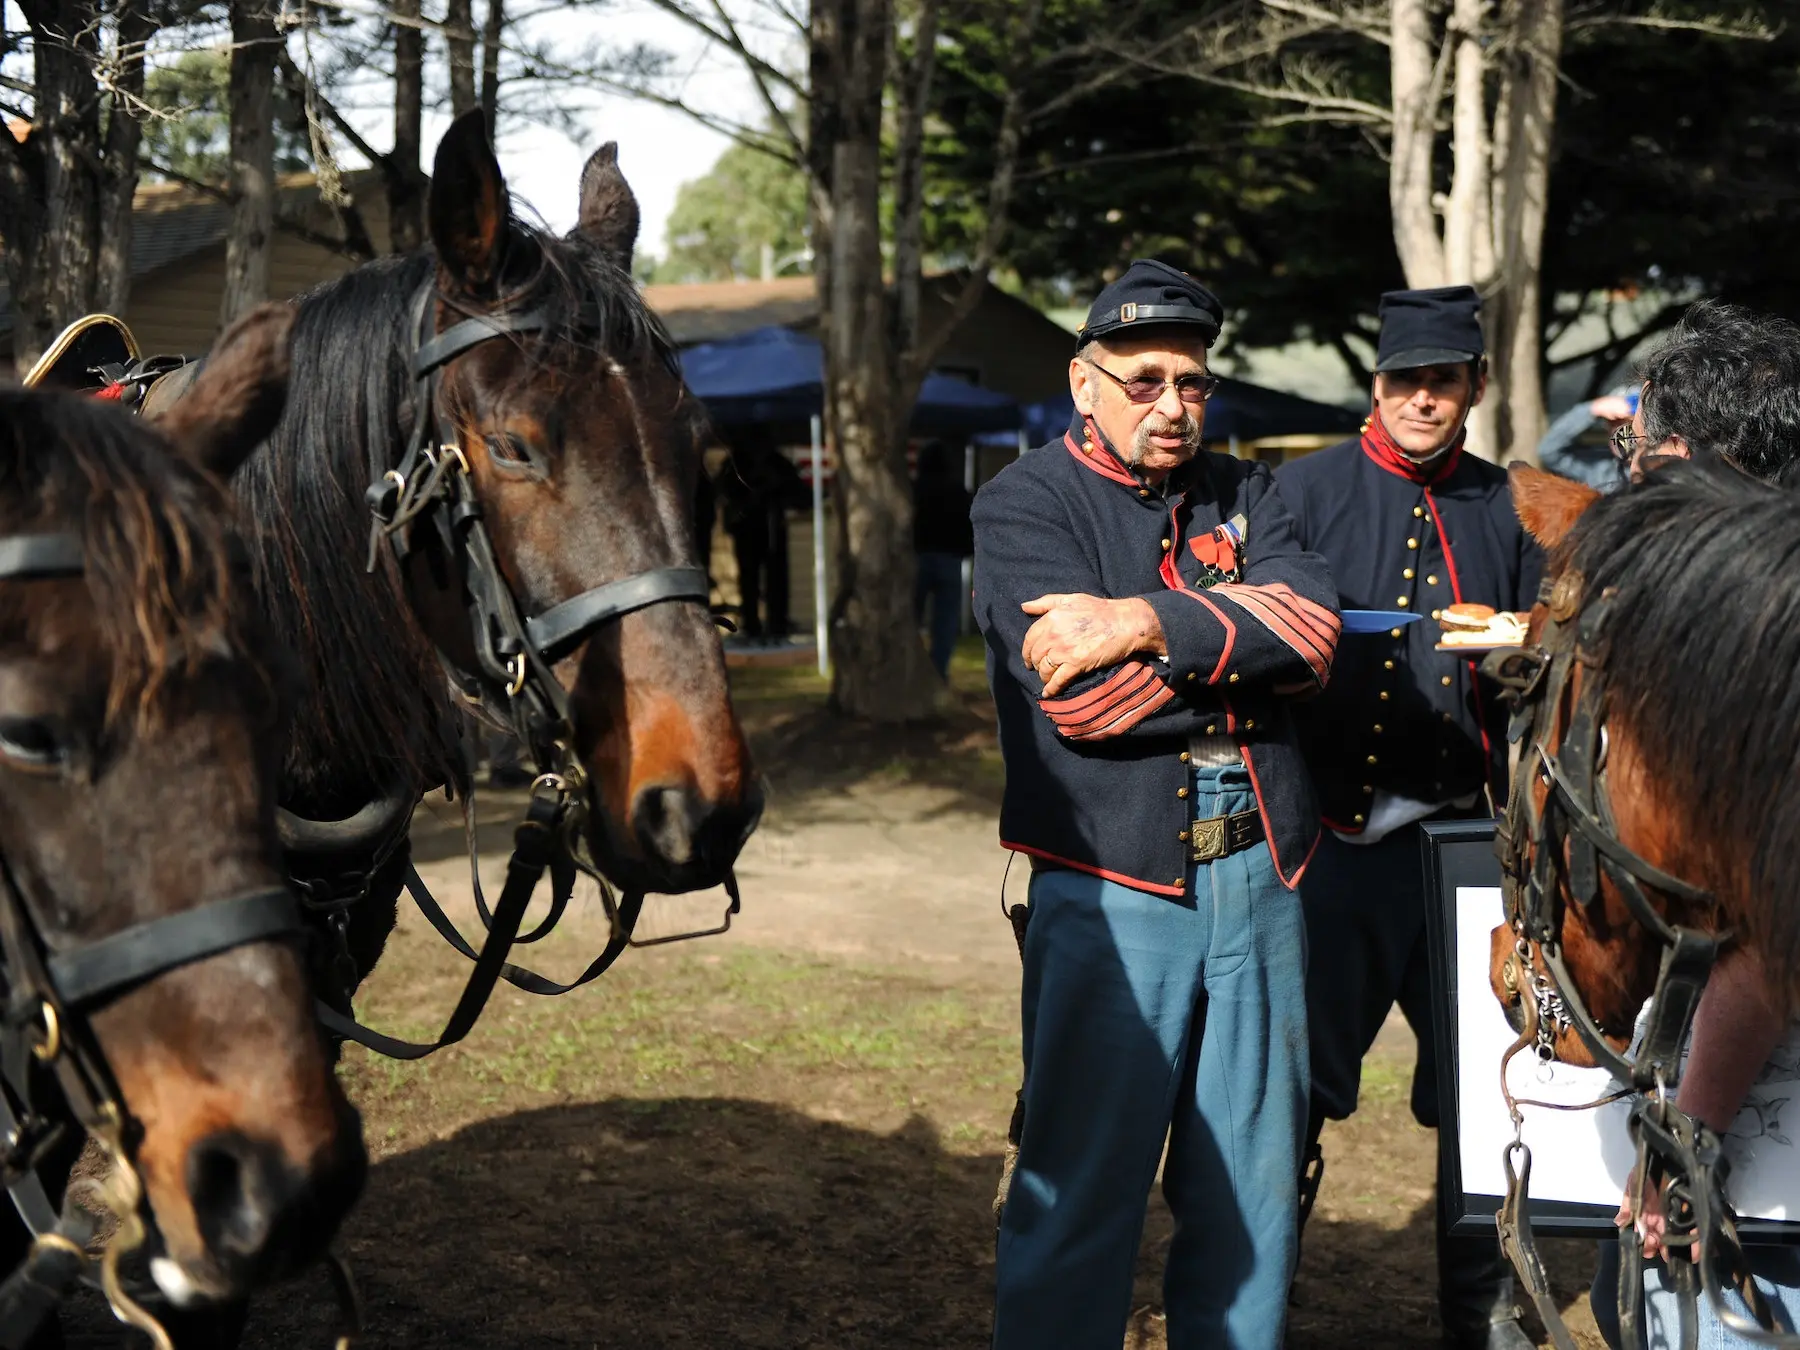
(405, 188)
(124, 133)
(254, 42)
(68, 116)
(1416, 94)
(459, 37)
(491, 30)
(880, 670)
(1526, 130)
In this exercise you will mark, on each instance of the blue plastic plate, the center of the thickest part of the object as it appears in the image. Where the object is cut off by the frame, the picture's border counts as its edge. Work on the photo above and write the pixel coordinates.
(1377, 620)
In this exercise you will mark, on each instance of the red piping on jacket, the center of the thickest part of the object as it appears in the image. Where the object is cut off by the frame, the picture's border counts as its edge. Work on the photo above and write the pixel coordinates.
(1100, 872)
(1100, 461)
(1262, 810)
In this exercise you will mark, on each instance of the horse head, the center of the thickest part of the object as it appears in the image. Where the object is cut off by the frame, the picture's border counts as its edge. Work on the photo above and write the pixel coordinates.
(139, 726)
(579, 445)
(1609, 957)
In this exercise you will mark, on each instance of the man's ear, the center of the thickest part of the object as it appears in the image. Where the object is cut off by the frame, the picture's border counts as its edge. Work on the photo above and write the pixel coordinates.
(236, 400)
(1081, 386)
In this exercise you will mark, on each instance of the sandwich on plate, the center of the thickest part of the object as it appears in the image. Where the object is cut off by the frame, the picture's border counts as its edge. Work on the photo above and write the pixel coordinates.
(1480, 626)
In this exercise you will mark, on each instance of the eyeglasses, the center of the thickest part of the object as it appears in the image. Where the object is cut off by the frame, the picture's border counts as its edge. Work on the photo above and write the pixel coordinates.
(1149, 388)
(1626, 443)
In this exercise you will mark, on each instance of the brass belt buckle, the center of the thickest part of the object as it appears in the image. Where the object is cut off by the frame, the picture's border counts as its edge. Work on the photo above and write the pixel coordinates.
(1209, 839)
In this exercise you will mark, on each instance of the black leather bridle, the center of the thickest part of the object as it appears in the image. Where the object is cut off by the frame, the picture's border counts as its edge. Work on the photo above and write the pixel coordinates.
(47, 992)
(1567, 846)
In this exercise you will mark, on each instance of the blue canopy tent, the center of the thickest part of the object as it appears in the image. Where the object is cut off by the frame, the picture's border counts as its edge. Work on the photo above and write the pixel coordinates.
(774, 376)
(1237, 412)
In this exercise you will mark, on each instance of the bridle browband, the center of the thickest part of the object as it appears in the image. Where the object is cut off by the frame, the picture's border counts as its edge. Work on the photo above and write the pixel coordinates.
(49, 992)
(1576, 818)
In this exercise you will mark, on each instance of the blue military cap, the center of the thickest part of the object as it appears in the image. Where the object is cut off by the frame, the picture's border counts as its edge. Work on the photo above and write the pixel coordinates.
(1434, 327)
(1151, 294)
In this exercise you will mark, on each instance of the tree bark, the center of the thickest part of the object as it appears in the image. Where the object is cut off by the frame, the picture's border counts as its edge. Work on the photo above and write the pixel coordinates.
(880, 670)
(459, 37)
(124, 134)
(254, 44)
(1415, 100)
(491, 29)
(405, 186)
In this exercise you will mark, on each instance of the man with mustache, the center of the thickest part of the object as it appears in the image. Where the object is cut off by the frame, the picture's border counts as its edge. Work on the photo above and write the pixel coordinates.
(1409, 522)
(1150, 619)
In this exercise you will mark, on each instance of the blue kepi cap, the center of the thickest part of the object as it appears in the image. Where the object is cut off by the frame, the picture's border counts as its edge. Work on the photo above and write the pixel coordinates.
(1152, 294)
(1436, 327)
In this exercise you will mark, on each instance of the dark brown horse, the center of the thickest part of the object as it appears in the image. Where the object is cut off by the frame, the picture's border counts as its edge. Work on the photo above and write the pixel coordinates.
(140, 721)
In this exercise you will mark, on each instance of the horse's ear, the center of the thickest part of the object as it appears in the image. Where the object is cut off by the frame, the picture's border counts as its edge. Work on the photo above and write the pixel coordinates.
(609, 211)
(469, 209)
(1548, 504)
(236, 400)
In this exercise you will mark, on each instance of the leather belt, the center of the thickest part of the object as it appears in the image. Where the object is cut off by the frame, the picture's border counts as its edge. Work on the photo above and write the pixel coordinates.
(1220, 836)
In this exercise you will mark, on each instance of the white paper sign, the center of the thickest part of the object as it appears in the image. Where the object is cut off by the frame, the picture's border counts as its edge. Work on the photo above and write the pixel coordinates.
(1584, 1157)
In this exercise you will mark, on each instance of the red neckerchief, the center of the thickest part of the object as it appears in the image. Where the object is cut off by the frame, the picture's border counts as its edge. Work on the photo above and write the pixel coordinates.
(1379, 446)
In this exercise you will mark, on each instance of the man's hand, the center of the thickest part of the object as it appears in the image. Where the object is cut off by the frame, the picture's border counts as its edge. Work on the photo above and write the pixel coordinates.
(1078, 634)
(1651, 1222)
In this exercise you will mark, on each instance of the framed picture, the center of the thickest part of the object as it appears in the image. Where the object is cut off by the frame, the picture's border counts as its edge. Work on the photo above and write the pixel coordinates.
(1580, 1159)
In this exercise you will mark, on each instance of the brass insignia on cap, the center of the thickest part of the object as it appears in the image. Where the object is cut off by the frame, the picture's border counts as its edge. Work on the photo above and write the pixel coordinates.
(1128, 312)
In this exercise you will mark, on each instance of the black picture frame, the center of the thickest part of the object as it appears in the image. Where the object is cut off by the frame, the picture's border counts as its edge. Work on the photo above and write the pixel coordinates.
(1460, 853)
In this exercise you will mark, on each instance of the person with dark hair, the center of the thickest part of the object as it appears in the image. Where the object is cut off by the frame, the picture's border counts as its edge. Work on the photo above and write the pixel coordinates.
(1410, 522)
(942, 538)
(1725, 385)
(757, 488)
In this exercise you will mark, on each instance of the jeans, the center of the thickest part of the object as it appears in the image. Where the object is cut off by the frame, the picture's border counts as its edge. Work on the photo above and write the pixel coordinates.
(1777, 1272)
(940, 583)
(1149, 1019)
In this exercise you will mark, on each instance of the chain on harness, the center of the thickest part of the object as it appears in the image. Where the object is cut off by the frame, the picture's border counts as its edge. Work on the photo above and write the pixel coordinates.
(1569, 845)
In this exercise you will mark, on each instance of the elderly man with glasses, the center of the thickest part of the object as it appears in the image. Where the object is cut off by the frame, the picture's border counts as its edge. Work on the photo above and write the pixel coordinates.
(1411, 523)
(1150, 618)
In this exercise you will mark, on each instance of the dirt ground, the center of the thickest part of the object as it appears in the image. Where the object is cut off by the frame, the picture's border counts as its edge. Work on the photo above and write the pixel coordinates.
(788, 1136)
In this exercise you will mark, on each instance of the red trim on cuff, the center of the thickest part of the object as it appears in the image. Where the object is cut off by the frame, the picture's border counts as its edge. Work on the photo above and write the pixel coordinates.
(1230, 632)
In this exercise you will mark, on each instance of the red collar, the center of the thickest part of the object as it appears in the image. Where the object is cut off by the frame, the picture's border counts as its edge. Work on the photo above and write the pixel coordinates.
(1379, 446)
(1091, 451)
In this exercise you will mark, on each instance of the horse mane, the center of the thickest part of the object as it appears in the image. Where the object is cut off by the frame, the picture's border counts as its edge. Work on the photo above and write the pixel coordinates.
(1700, 648)
(156, 535)
(379, 703)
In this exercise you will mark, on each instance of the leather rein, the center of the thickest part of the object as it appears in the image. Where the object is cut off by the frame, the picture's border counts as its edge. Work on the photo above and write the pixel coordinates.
(1567, 846)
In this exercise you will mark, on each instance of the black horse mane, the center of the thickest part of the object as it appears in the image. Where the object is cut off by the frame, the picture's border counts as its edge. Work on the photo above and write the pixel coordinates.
(156, 535)
(1701, 649)
(380, 707)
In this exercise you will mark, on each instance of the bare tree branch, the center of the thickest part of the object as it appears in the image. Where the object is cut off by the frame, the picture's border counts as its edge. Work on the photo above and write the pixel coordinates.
(285, 221)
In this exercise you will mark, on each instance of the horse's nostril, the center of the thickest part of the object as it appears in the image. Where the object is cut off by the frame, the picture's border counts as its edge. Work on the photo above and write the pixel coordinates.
(664, 820)
(239, 1188)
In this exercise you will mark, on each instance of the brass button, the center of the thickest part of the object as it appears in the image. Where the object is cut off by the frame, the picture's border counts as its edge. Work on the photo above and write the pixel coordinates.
(1449, 717)
(1393, 632)
(1403, 602)
(1431, 581)
(1368, 789)
(1181, 792)
(1387, 665)
(1418, 510)
(1192, 676)
(1181, 883)
(1383, 696)
(1408, 574)
(1182, 836)
(1212, 728)
(1373, 760)
(1232, 678)
(1377, 728)
(1250, 724)
(1436, 613)
(1445, 682)
(1357, 820)
(1412, 543)
(1165, 546)
(1185, 757)
(1143, 492)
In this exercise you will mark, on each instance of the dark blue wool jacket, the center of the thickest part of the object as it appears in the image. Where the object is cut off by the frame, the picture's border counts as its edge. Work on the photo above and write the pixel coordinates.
(1097, 778)
(1398, 715)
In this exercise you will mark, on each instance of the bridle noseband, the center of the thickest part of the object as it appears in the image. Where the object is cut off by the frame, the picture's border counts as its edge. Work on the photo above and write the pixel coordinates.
(49, 993)
(1576, 819)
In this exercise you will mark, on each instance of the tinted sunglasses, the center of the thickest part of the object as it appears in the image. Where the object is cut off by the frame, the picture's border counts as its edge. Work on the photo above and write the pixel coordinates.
(1149, 388)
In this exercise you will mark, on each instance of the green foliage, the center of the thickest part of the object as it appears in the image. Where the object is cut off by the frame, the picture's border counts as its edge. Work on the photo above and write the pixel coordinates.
(189, 134)
(722, 221)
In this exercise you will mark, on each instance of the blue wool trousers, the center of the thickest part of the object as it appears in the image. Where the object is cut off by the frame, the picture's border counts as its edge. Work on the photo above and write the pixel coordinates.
(1147, 1020)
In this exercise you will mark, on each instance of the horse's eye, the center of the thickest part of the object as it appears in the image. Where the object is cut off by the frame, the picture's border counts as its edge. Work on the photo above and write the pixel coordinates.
(29, 743)
(505, 448)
